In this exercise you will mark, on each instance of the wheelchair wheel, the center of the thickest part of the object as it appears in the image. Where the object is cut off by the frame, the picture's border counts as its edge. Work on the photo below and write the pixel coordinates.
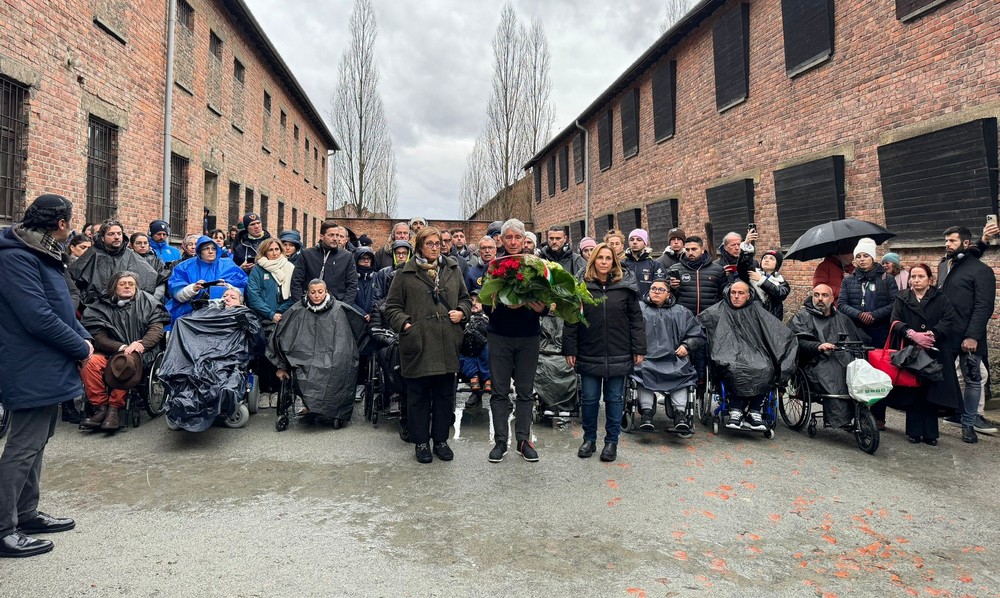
(173, 427)
(811, 430)
(338, 423)
(239, 418)
(156, 392)
(867, 434)
(769, 433)
(795, 401)
(281, 424)
(716, 424)
(4, 421)
(134, 415)
(253, 393)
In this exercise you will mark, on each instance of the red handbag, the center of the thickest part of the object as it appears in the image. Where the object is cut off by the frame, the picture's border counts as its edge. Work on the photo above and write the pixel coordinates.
(881, 359)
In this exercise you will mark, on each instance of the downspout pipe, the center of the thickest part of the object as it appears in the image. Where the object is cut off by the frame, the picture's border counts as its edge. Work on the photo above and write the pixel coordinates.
(586, 176)
(168, 108)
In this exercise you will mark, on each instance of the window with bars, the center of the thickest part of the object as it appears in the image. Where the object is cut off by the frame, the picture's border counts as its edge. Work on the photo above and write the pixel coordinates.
(552, 175)
(281, 216)
(664, 86)
(178, 195)
(185, 15)
(13, 148)
(731, 45)
(629, 113)
(305, 228)
(537, 171)
(263, 210)
(295, 219)
(248, 203)
(578, 158)
(234, 203)
(564, 168)
(215, 45)
(239, 71)
(604, 134)
(102, 170)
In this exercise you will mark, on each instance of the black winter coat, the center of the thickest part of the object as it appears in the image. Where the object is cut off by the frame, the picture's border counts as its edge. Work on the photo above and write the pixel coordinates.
(970, 285)
(645, 269)
(338, 271)
(570, 262)
(245, 248)
(702, 283)
(935, 313)
(852, 293)
(617, 331)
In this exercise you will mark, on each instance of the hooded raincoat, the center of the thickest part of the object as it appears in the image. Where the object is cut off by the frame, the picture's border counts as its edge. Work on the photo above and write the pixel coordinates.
(192, 270)
(668, 327)
(95, 268)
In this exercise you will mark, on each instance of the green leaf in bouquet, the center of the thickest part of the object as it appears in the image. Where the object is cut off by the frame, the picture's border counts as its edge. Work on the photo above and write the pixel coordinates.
(491, 286)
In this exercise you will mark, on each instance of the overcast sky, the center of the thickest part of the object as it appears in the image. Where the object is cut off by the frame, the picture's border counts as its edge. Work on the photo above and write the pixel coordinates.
(435, 59)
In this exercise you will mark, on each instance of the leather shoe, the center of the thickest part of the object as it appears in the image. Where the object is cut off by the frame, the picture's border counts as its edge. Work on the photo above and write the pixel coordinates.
(610, 452)
(111, 422)
(18, 545)
(43, 523)
(94, 421)
(586, 449)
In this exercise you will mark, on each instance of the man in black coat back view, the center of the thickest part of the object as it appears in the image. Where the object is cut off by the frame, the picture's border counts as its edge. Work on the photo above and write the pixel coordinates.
(329, 262)
(970, 285)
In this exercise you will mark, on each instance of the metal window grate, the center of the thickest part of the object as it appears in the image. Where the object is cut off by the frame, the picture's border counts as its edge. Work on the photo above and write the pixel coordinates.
(215, 45)
(13, 149)
(102, 170)
(263, 210)
(178, 194)
(185, 14)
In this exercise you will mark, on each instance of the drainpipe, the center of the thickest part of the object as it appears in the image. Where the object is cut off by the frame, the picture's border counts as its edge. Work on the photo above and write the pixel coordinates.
(168, 108)
(586, 177)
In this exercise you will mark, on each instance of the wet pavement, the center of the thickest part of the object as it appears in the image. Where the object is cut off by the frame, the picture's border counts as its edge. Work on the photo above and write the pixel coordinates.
(320, 512)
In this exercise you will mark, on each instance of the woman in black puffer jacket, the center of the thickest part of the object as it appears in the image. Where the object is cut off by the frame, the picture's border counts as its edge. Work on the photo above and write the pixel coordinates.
(604, 352)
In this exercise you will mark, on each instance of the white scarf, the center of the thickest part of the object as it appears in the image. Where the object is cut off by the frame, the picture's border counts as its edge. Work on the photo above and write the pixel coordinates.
(281, 269)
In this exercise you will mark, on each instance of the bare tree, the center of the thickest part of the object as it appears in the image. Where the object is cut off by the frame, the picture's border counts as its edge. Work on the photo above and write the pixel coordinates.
(519, 118)
(365, 172)
(675, 11)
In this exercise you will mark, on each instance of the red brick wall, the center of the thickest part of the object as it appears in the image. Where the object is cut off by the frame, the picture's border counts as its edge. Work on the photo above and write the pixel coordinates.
(378, 228)
(75, 68)
(885, 78)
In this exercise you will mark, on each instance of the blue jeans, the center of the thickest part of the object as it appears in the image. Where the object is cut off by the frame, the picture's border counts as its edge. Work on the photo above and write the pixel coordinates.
(614, 405)
(476, 366)
(973, 386)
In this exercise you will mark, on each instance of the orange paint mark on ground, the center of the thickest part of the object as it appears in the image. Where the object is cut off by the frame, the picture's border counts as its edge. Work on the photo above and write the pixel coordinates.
(689, 479)
(756, 550)
(749, 485)
(829, 595)
(829, 538)
(639, 593)
(726, 488)
(883, 513)
(719, 565)
(691, 448)
(754, 537)
(709, 514)
(809, 582)
(902, 541)
(612, 484)
(965, 579)
(680, 555)
(624, 465)
(842, 574)
(679, 535)
(748, 462)
(614, 502)
(774, 517)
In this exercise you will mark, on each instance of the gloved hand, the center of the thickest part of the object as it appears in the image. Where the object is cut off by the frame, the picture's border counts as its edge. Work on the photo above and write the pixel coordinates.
(923, 340)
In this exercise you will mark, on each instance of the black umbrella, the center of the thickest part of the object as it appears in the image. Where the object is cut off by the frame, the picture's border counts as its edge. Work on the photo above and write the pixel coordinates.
(838, 236)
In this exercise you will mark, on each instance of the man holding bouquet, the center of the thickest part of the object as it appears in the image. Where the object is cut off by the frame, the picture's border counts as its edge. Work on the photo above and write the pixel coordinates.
(513, 336)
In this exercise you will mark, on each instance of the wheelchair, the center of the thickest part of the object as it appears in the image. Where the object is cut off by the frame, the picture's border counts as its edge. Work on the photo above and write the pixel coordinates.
(715, 394)
(247, 405)
(148, 396)
(799, 401)
(376, 401)
(630, 414)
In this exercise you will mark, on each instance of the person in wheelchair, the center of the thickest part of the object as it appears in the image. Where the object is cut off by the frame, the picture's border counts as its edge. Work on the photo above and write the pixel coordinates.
(750, 352)
(672, 333)
(127, 326)
(195, 281)
(474, 358)
(319, 340)
(818, 327)
(206, 364)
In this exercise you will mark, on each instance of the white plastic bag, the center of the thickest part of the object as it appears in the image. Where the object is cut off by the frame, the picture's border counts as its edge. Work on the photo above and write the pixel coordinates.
(866, 384)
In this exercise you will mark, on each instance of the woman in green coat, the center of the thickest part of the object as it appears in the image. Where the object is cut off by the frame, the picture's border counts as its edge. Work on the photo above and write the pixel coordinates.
(427, 305)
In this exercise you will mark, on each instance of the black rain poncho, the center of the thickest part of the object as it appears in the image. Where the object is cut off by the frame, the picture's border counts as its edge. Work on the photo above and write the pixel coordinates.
(750, 350)
(826, 371)
(555, 382)
(666, 328)
(95, 268)
(322, 347)
(129, 323)
(204, 368)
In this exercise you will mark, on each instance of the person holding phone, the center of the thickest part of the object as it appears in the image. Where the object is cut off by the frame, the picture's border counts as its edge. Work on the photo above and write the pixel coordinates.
(248, 242)
(729, 251)
(200, 278)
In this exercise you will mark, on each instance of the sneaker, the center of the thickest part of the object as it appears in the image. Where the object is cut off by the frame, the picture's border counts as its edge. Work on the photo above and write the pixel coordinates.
(953, 420)
(443, 451)
(984, 426)
(735, 419)
(527, 450)
(423, 451)
(498, 452)
(969, 435)
(474, 400)
(680, 423)
(474, 384)
(756, 421)
(549, 413)
(646, 421)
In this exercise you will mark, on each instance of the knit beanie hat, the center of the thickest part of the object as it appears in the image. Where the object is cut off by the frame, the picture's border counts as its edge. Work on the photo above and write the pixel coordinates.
(777, 258)
(159, 226)
(638, 232)
(587, 243)
(868, 246)
(892, 258)
(249, 218)
(676, 233)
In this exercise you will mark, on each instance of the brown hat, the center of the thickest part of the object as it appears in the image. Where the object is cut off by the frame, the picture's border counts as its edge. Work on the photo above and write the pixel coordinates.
(124, 372)
(676, 233)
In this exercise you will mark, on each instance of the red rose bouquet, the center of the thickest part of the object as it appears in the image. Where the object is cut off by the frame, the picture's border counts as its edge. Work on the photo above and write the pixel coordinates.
(520, 279)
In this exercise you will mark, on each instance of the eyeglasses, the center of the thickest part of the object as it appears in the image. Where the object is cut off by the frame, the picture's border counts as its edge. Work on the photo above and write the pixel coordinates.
(432, 244)
(487, 248)
(657, 290)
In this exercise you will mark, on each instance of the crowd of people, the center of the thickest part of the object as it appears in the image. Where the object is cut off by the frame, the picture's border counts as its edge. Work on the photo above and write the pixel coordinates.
(84, 313)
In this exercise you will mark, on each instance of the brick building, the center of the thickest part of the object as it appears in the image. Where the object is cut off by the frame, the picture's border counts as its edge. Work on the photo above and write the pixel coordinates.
(789, 114)
(82, 113)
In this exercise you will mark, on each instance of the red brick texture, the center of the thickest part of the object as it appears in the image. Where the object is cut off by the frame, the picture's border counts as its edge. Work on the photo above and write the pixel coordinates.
(75, 68)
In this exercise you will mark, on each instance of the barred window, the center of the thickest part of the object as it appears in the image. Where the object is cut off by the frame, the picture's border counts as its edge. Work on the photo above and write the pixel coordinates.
(102, 170)
(13, 148)
(215, 45)
(178, 195)
(239, 71)
(185, 15)
(234, 203)
(281, 216)
(263, 210)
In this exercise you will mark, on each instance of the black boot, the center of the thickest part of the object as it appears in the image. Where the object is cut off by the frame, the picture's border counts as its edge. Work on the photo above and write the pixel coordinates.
(70, 414)
(969, 434)
(646, 420)
(610, 452)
